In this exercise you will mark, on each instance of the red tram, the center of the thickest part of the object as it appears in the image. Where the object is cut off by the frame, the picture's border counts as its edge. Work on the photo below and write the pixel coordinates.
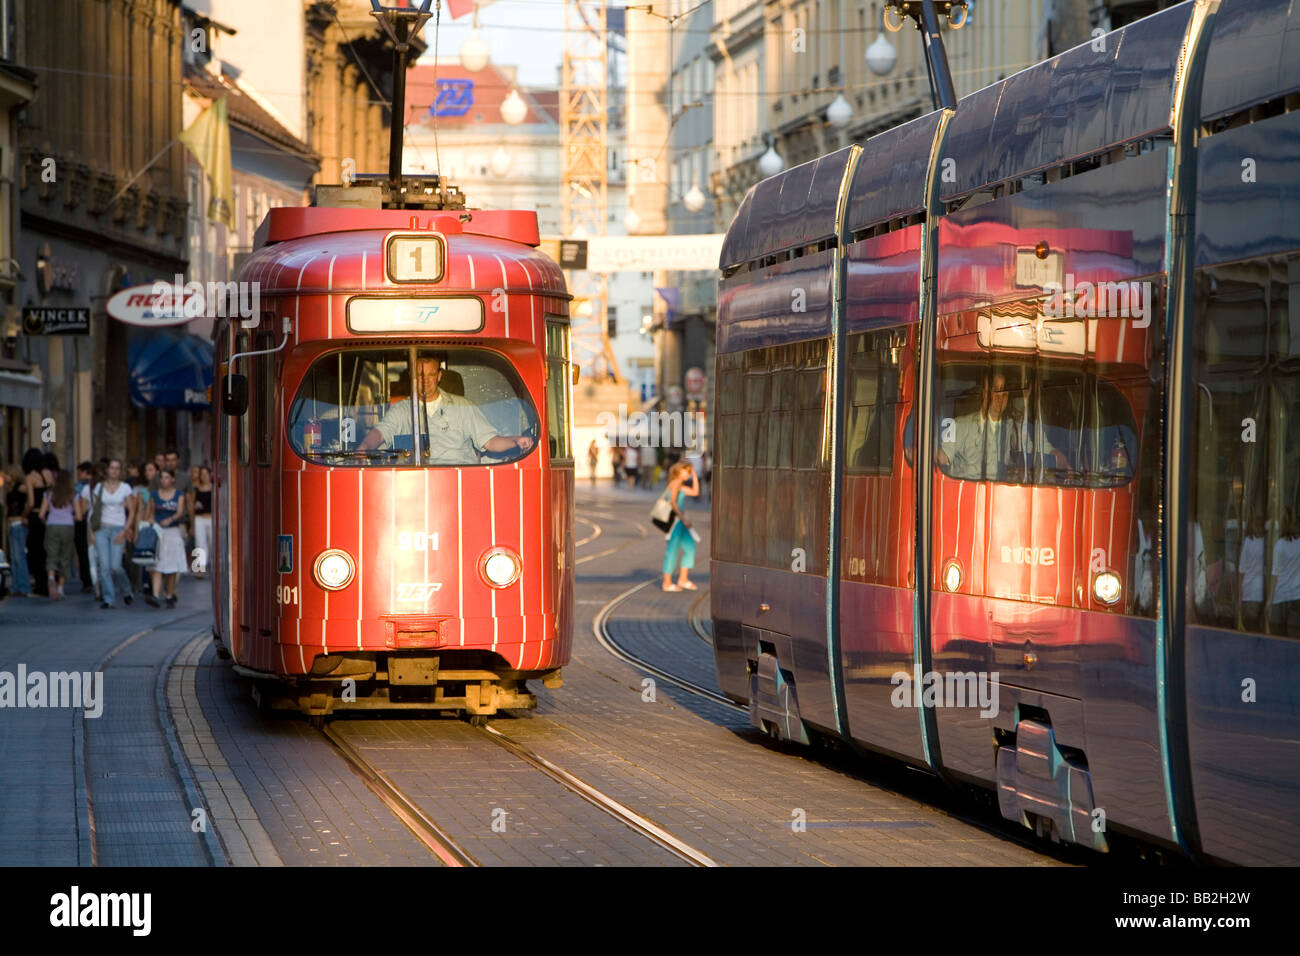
(394, 503)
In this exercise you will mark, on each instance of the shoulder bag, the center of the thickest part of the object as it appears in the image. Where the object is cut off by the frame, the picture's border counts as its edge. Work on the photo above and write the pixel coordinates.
(662, 515)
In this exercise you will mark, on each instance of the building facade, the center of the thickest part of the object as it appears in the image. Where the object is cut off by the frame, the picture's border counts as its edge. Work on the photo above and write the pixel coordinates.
(102, 197)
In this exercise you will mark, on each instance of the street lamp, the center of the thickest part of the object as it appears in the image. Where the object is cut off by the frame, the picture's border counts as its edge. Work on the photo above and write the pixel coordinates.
(839, 113)
(514, 109)
(500, 162)
(695, 200)
(925, 16)
(770, 163)
(881, 56)
(474, 52)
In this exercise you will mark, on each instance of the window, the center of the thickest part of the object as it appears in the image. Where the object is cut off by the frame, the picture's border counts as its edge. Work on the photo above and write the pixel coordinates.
(871, 403)
(354, 408)
(1034, 422)
(265, 410)
(558, 385)
(243, 367)
(1245, 469)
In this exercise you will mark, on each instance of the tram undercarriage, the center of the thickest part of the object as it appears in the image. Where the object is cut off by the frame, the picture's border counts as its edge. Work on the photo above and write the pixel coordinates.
(380, 680)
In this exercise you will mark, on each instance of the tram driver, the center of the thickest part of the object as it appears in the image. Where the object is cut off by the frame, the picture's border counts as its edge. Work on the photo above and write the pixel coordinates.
(455, 431)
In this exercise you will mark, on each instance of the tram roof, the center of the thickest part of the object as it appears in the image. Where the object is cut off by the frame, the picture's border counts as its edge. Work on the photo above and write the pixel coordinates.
(285, 223)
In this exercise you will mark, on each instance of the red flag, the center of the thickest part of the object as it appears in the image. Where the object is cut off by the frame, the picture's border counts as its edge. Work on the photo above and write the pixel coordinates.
(458, 8)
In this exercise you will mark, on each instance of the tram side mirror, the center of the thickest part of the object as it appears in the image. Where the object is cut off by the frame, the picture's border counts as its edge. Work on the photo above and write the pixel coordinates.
(234, 395)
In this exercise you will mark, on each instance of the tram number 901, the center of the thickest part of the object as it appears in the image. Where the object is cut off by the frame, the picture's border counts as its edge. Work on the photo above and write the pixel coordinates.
(284, 594)
(417, 541)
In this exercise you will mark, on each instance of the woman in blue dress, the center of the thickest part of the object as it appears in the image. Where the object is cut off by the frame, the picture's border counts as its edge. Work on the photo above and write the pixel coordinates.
(682, 481)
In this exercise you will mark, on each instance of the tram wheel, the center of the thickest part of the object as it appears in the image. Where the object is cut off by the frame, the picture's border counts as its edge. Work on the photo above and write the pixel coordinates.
(477, 720)
(316, 721)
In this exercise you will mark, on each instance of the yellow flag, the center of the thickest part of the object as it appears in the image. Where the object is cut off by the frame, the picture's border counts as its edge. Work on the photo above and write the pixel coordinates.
(208, 138)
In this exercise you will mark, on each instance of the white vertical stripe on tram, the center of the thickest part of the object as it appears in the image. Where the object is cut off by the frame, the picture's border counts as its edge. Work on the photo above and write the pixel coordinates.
(470, 260)
(532, 313)
(425, 529)
(361, 557)
(297, 302)
(392, 537)
(492, 512)
(297, 628)
(505, 284)
(460, 558)
(329, 301)
(1058, 565)
(523, 567)
(364, 257)
(1110, 541)
(328, 508)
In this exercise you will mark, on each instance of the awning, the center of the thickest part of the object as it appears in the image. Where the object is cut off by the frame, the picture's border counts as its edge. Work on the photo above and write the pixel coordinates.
(18, 390)
(169, 369)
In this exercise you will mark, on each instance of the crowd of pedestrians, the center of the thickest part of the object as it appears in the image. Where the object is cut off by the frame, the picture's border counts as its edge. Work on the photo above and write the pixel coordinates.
(126, 530)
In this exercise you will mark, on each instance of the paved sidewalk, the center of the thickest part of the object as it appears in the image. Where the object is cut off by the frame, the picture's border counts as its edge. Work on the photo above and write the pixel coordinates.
(53, 755)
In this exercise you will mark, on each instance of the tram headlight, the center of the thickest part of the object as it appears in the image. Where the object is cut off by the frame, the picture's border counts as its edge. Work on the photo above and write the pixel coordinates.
(1106, 587)
(334, 569)
(500, 567)
(952, 576)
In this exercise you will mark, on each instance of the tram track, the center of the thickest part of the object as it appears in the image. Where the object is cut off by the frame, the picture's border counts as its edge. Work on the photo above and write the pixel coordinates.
(600, 629)
(902, 778)
(433, 837)
(602, 801)
(450, 852)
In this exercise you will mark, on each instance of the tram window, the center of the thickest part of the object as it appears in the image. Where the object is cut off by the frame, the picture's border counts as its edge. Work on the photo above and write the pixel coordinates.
(558, 386)
(1245, 470)
(242, 345)
(1034, 422)
(756, 385)
(781, 423)
(354, 408)
(809, 421)
(223, 423)
(265, 411)
(872, 404)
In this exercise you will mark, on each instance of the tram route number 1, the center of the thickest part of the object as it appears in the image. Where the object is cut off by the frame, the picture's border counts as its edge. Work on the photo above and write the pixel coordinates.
(284, 594)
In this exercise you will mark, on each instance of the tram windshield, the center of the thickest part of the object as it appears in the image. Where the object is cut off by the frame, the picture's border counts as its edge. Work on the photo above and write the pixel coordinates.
(356, 408)
(1036, 423)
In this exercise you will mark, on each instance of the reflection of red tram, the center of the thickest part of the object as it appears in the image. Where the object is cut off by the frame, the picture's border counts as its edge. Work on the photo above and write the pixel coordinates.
(385, 514)
(1037, 447)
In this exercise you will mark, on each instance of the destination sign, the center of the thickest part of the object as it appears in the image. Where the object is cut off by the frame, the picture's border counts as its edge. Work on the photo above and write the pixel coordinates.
(426, 314)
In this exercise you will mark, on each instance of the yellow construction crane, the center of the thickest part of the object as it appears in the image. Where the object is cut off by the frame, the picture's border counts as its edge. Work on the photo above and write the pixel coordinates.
(583, 184)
